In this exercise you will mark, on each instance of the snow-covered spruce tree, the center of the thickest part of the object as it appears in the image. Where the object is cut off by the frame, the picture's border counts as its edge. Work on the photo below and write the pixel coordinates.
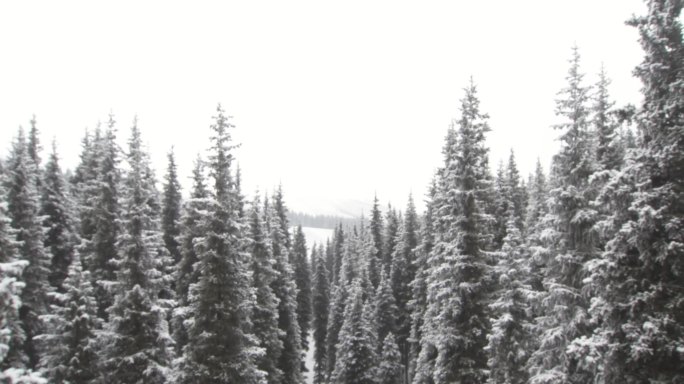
(571, 240)
(101, 250)
(501, 210)
(375, 264)
(302, 275)
(386, 311)
(191, 229)
(535, 224)
(283, 222)
(642, 313)
(61, 238)
(402, 273)
(429, 232)
(171, 209)
(84, 187)
(220, 347)
(517, 193)
(34, 148)
(136, 345)
(12, 357)
(24, 209)
(390, 237)
(68, 345)
(456, 325)
(357, 358)
(285, 289)
(509, 342)
(390, 369)
(418, 302)
(321, 302)
(608, 181)
(265, 313)
(609, 145)
(339, 237)
(11, 333)
(338, 301)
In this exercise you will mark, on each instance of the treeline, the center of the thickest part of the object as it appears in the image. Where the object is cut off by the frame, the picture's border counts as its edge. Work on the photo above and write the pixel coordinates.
(319, 221)
(574, 276)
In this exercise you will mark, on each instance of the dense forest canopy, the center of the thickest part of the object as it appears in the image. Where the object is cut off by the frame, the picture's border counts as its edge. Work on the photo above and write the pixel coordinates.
(110, 273)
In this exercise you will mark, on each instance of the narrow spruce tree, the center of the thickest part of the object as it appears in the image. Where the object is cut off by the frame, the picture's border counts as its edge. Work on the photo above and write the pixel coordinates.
(402, 273)
(570, 239)
(456, 325)
(24, 208)
(285, 288)
(357, 353)
(194, 215)
(390, 369)
(321, 302)
(61, 238)
(302, 275)
(375, 264)
(338, 301)
(386, 311)
(137, 345)
(220, 346)
(509, 343)
(12, 334)
(390, 237)
(265, 313)
(171, 211)
(100, 251)
(69, 344)
(418, 302)
(339, 237)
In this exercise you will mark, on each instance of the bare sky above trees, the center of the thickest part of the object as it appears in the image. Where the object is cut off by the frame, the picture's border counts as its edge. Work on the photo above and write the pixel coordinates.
(336, 100)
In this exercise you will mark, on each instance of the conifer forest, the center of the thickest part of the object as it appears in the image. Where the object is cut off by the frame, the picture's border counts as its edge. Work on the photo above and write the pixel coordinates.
(111, 273)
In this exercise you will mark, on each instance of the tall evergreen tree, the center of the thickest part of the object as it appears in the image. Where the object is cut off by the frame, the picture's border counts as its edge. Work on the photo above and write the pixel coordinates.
(321, 303)
(171, 211)
(509, 342)
(24, 209)
(337, 252)
(285, 288)
(403, 272)
(101, 251)
(220, 347)
(390, 237)
(455, 328)
(338, 301)
(376, 229)
(12, 336)
(571, 239)
(70, 350)
(84, 187)
(386, 311)
(609, 148)
(61, 238)
(137, 343)
(194, 215)
(642, 315)
(418, 302)
(265, 314)
(390, 370)
(302, 275)
(356, 351)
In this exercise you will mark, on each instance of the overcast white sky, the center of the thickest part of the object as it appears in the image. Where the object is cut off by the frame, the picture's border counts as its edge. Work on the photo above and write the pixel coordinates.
(335, 100)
